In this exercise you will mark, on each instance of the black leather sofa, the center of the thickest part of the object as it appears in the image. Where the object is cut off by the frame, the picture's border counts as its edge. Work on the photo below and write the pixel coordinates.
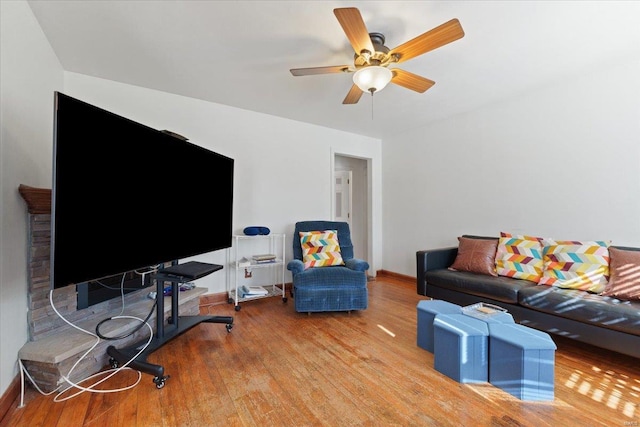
(601, 321)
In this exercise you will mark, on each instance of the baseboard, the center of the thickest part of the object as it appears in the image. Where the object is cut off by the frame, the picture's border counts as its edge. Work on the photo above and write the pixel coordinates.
(391, 274)
(208, 300)
(220, 298)
(9, 397)
(213, 299)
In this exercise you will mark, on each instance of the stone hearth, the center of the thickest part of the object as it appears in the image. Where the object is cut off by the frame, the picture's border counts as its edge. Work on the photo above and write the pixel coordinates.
(54, 346)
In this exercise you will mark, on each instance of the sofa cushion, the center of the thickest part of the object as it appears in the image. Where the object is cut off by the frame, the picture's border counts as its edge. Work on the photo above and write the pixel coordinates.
(520, 257)
(575, 264)
(498, 288)
(624, 280)
(320, 248)
(584, 307)
(476, 256)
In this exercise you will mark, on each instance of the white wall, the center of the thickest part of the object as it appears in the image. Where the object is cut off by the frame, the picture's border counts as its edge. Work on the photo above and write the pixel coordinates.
(29, 75)
(562, 161)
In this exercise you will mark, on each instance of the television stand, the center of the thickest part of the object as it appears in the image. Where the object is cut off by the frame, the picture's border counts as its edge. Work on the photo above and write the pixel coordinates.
(176, 274)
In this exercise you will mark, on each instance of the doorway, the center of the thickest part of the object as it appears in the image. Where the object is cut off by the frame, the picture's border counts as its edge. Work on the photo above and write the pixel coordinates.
(351, 200)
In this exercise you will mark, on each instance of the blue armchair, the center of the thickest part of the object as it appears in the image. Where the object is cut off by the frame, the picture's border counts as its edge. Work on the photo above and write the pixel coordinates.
(329, 288)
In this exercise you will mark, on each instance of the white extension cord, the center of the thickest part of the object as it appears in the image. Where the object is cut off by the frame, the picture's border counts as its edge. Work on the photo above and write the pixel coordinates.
(90, 388)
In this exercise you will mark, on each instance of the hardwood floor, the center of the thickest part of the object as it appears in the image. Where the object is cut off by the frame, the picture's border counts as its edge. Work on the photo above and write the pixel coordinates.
(282, 368)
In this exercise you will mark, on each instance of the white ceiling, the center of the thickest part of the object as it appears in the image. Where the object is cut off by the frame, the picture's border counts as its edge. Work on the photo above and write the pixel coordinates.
(239, 53)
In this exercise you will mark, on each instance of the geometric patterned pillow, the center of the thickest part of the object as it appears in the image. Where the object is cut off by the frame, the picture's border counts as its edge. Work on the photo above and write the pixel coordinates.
(320, 248)
(519, 257)
(576, 265)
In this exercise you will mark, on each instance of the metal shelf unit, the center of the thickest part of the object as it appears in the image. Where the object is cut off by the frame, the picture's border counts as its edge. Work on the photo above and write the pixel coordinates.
(246, 247)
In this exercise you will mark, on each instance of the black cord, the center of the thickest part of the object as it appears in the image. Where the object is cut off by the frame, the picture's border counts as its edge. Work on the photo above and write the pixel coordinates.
(153, 307)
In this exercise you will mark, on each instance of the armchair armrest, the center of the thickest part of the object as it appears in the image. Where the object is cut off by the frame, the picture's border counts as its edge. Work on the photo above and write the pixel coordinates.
(295, 266)
(357, 264)
(432, 259)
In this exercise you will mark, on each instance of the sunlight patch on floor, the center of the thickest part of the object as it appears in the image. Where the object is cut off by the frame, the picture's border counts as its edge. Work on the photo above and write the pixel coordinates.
(614, 390)
(387, 331)
(629, 409)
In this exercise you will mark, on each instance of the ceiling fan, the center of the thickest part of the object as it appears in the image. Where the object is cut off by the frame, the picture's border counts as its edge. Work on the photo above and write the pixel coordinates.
(372, 58)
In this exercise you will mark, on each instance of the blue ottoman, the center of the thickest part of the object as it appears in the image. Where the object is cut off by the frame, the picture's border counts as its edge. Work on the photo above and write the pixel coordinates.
(427, 311)
(461, 349)
(521, 361)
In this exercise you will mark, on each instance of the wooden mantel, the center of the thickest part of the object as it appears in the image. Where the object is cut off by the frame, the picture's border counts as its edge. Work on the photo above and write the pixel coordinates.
(38, 199)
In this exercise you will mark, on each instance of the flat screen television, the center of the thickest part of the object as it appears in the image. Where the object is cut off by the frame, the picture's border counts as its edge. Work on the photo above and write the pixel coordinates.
(127, 197)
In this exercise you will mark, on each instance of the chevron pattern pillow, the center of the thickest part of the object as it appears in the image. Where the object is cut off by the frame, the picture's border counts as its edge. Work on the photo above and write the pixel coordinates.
(519, 257)
(576, 265)
(320, 248)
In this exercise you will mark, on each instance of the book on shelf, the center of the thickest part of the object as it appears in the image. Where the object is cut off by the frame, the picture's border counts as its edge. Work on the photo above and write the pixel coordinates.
(244, 262)
(264, 257)
(252, 291)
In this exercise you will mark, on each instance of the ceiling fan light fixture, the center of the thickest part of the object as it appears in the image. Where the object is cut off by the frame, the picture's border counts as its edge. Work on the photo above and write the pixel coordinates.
(371, 57)
(373, 78)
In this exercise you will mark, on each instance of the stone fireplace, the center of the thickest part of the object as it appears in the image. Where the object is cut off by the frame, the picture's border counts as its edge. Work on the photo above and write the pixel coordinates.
(55, 346)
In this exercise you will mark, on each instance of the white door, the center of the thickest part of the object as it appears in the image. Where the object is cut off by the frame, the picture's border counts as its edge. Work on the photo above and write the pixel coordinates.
(343, 196)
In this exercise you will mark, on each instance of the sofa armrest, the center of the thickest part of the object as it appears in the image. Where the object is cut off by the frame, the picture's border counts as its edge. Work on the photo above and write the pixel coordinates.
(432, 259)
(295, 266)
(357, 264)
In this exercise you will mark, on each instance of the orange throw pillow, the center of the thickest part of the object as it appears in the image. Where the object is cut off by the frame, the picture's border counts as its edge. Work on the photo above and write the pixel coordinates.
(476, 256)
(624, 270)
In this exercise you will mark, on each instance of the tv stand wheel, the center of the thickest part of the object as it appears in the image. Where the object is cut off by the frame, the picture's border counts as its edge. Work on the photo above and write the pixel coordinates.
(229, 300)
(229, 327)
(237, 308)
(160, 381)
(113, 363)
(284, 299)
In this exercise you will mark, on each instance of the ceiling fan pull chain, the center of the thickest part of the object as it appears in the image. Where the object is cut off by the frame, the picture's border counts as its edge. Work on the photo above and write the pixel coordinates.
(371, 106)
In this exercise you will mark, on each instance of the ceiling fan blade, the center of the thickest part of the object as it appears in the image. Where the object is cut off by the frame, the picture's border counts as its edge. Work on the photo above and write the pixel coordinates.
(411, 81)
(353, 96)
(320, 70)
(446, 33)
(355, 29)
